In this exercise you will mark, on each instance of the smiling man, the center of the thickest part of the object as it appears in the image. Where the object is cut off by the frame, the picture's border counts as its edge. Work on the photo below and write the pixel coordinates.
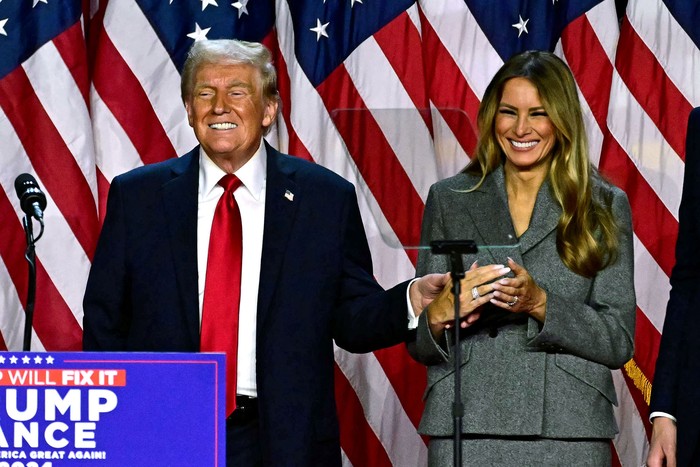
(237, 248)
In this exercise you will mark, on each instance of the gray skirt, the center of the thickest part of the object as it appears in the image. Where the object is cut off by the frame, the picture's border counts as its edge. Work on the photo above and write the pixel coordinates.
(483, 451)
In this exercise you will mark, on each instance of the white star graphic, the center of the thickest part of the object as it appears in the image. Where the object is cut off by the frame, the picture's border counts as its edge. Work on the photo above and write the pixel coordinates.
(26, 359)
(36, 2)
(3, 22)
(49, 360)
(37, 359)
(13, 359)
(206, 3)
(2, 359)
(241, 6)
(521, 25)
(320, 29)
(199, 34)
(352, 2)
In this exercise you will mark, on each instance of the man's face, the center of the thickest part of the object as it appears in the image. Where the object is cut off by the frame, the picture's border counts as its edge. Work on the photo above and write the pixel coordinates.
(228, 112)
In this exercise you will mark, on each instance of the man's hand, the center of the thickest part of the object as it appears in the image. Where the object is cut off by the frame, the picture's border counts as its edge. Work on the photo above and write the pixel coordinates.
(662, 450)
(425, 290)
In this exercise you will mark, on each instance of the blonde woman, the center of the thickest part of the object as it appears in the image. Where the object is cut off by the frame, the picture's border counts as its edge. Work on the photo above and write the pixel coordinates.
(539, 342)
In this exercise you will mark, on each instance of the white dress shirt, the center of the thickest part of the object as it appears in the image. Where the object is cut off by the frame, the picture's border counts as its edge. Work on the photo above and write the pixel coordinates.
(251, 202)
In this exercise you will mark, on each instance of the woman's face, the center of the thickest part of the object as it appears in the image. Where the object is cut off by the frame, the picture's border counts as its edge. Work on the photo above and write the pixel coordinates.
(523, 128)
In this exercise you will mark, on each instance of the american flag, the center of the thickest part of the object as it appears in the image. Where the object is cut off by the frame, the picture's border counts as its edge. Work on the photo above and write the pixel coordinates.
(383, 93)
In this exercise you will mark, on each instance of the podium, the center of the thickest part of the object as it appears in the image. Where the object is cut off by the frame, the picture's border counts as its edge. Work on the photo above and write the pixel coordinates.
(112, 409)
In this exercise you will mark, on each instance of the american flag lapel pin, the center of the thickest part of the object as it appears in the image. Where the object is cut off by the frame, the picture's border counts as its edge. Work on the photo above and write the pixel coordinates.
(289, 195)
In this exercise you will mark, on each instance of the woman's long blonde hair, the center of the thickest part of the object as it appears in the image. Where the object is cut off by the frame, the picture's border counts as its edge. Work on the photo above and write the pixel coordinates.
(587, 234)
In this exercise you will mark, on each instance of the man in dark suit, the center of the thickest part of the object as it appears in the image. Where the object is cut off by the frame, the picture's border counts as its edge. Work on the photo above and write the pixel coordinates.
(675, 397)
(306, 268)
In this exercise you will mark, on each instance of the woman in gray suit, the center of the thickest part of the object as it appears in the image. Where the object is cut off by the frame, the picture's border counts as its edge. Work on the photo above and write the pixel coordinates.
(539, 342)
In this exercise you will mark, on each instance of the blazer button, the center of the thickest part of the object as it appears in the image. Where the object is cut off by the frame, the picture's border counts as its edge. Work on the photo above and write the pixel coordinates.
(493, 332)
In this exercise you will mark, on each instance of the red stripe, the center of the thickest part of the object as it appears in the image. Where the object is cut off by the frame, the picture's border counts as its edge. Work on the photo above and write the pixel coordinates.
(123, 95)
(653, 223)
(652, 88)
(357, 438)
(647, 339)
(50, 156)
(374, 158)
(407, 377)
(53, 321)
(590, 65)
(71, 47)
(399, 40)
(448, 89)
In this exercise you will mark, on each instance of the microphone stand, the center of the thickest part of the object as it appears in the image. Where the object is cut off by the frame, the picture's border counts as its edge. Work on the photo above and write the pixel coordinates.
(30, 256)
(456, 248)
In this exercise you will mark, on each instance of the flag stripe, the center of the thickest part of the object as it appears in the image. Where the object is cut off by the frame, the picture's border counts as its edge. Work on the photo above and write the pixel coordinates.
(129, 104)
(449, 91)
(592, 70)
(28, 117)
(653, 223)
(373, 157)
(73, 49)
(356, 437)
(653, 89)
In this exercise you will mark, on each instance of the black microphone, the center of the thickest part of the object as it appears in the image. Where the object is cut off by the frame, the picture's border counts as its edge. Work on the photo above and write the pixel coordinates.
(31, 198)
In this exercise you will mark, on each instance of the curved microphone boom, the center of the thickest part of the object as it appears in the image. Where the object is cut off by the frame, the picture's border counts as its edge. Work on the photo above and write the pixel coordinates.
(31, 198)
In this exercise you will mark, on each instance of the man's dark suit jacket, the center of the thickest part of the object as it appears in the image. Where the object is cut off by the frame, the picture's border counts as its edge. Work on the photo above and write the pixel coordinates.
(316, 285)
(676, 388)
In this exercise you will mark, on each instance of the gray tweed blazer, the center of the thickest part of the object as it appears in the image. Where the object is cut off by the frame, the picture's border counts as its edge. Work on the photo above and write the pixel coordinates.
(549, 380)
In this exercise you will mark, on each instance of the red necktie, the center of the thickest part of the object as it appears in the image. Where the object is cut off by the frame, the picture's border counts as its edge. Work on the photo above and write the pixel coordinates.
(222, 289)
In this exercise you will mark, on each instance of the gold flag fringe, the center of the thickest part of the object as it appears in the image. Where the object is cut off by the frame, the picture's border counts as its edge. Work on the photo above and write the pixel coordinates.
(640, 380)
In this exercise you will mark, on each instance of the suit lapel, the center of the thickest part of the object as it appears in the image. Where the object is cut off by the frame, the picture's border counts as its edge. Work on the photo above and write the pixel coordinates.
(179, 197)
(545, 217)
(282, 197)
(488, 210)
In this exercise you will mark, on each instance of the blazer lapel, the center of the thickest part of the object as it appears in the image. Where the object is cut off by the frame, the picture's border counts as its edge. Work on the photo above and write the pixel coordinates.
(282, 197)
(488, 210)
(545, 217)
(179, 197)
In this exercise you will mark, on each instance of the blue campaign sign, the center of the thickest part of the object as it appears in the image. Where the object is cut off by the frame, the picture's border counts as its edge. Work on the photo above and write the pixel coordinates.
(87, 409)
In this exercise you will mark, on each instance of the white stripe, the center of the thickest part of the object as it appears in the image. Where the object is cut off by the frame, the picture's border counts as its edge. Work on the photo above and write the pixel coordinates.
(382, 408)
(675, 51)
(651, 284)
(631, 442)
(449, 153)
(129, 30)
(414, 16)
(641, 139)
(12, 316)
(603, 20)
(114, 152)
(394, 111)
(346, 462)
(58, 250)
(465, 41)
(55, 87)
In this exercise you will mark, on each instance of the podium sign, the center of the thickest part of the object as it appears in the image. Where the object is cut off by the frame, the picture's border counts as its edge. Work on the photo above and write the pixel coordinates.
(88, 409)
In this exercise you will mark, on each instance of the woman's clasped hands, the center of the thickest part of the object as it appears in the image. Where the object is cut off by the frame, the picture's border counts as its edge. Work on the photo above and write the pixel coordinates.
(476, 290)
